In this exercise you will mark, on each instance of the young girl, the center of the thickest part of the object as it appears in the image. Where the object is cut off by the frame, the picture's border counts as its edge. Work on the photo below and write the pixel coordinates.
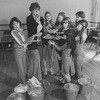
(80, 15)
(20, 44)
(59, 20)
(59, 26)
(79, 52)
(66, 50)
(49, 24)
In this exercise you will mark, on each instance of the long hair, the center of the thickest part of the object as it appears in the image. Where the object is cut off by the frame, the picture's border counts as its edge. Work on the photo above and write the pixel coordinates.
(71, 41)
(60, 14)
(51, 21)
(84, 26)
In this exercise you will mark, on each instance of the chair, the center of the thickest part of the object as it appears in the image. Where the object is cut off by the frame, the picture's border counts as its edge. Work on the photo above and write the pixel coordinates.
(94, 36)
(6, 42)
(98, 42)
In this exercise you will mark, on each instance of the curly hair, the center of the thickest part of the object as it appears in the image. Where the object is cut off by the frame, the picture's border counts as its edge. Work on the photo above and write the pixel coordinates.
(34, 5)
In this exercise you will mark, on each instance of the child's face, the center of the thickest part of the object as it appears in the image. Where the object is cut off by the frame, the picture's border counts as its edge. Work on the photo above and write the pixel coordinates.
(79, 27)
(48, 17)
(16, 25)
(36, 12)
(78, 18)
(65, 24)
(60, 18)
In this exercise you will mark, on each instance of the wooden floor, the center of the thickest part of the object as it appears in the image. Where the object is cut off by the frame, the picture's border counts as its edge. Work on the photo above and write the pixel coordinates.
(54, 89)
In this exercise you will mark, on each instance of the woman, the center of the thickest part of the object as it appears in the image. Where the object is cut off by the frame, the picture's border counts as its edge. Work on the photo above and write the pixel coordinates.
(20, 44)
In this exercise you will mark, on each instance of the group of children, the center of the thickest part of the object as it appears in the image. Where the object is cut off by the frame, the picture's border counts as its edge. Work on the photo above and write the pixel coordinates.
(68, 43)
(69, 46)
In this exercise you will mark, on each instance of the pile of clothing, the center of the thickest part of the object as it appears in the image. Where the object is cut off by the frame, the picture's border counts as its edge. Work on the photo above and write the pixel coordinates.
(33, 88)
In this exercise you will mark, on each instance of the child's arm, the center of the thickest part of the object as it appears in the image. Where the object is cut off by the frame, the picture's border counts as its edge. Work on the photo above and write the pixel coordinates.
(17, 38)
(60, 48)
(84, 36)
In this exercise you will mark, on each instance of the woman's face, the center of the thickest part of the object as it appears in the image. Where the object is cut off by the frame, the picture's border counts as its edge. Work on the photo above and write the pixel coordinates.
(79, 27)
(60, 18)
(48, 17)
(16, 25)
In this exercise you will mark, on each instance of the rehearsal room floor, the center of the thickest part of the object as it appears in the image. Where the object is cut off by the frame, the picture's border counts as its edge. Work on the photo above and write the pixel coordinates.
(53, 88)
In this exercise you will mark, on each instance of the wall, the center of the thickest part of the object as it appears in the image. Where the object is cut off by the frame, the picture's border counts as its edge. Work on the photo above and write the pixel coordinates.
(95, 14)
(20, 8)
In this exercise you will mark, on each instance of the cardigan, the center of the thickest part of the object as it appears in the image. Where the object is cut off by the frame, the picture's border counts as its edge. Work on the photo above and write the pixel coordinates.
(32, 29)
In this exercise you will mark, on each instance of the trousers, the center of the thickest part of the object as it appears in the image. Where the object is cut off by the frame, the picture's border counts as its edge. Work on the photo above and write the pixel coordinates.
(34, 68)
(20, 57)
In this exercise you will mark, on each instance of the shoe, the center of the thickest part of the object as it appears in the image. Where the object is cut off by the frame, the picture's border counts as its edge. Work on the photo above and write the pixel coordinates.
(51, 71)
(35, 82)
(67, 77)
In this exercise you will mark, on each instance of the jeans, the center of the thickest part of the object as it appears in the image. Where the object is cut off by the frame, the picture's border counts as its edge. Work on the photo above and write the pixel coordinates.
(34, 68)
